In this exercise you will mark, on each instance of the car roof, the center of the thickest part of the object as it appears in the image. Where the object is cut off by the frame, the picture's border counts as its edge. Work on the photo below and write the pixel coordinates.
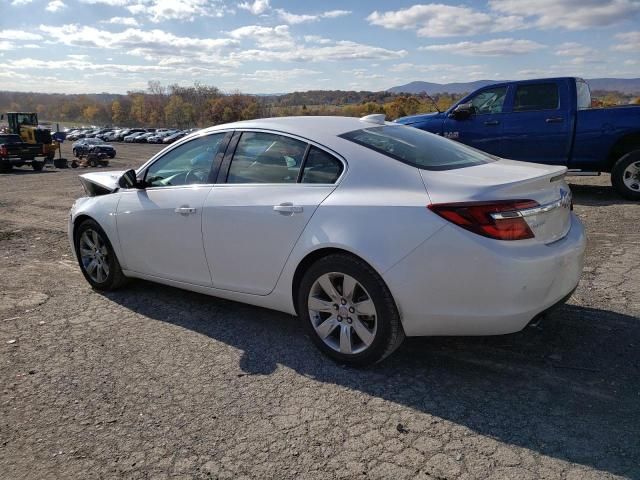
(316, 128)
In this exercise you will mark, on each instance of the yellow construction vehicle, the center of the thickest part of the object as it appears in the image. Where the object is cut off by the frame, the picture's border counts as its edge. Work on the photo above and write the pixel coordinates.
(26, 125)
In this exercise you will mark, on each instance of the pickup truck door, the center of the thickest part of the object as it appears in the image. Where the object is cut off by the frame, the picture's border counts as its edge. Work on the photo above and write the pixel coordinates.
(483, 129)
(539, 126)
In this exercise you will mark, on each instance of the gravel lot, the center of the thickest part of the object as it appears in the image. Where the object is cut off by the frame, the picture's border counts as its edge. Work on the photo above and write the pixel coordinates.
(155, 382)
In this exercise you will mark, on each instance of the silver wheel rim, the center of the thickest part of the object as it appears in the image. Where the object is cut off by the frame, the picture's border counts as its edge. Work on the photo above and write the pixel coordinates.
(94, 255)
(342, 313)
(631, 176)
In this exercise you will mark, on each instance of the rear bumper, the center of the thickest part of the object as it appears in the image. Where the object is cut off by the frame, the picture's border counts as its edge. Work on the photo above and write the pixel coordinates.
(458, 283)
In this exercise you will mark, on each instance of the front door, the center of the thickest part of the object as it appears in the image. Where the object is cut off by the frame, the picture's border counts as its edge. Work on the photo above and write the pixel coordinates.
(252, 221)
(160, 226)
(483, 129)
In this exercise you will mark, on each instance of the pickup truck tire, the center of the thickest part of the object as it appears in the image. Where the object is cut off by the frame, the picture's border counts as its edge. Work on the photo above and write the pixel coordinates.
(37, 166)
(98, 277)
(5, 166)
(625, 175)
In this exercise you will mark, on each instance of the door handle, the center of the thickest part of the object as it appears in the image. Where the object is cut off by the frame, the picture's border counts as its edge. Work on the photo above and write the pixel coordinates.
(288, 208)
(185, 210)
(492, 122)
(554, 120)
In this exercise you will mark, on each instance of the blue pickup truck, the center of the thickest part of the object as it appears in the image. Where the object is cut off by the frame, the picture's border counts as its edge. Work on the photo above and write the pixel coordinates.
(546, 121)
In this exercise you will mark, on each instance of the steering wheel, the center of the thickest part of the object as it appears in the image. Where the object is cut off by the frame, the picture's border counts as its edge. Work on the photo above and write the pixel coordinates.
(197, 175)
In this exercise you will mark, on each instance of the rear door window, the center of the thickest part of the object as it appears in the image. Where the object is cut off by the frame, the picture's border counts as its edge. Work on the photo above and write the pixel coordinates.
(266, 158)
(321, 167)
(536, 96)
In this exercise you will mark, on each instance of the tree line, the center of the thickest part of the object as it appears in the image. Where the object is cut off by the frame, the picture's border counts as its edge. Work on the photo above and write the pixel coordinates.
(203, 105)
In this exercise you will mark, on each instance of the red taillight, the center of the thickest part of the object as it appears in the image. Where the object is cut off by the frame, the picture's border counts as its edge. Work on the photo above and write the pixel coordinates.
(476, 217)
(3, 151)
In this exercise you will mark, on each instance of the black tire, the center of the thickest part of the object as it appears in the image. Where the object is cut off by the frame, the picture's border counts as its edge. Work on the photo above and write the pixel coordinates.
(93, 162)
(5, 166)
(115, 278)
(37, 166)
(75, 153)
(389, 333)
(112, 155)
(618, 174)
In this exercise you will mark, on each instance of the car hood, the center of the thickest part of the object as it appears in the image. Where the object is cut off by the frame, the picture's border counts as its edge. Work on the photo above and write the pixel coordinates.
(411, 119)
(99, 183)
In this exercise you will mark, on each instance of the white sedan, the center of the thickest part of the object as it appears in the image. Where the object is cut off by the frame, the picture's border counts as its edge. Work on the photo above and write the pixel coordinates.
(367, 230)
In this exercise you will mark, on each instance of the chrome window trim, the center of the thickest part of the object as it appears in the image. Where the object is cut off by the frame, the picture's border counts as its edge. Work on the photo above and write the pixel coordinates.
(564, 200)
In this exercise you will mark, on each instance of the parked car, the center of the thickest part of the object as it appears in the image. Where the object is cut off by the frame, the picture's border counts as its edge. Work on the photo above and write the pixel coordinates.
(131, 137)
(143, 138)
(369, 231)
(160, 136)
(173, 137)
(16, 153)
(92, 145)
(546, 121)
(129, 131)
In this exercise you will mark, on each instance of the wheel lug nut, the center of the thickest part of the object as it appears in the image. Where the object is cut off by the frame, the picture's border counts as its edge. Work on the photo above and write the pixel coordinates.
(339, 318)
(349, 320)
(352, 310)
(343, 301)
(335, 306)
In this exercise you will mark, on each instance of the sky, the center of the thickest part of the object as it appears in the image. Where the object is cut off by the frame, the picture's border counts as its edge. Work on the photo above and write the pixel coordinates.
(279, 46)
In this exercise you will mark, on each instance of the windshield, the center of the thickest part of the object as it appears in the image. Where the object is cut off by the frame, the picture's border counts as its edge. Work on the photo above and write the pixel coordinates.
(418, 148)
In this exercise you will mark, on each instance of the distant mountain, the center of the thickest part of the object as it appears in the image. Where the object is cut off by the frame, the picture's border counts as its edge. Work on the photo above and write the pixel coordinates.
(624, 85)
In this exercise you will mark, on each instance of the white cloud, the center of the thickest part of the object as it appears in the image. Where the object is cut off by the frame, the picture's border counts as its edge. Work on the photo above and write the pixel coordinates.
(277, 37)
(573, 49)
(76, 56)
(317, 39)
(292, 18)
(55, 6)
(630, 42)
(490, 48)
(570, 14)
(128, 21)
(19, 35)
(18, 3)
(164, 10)
(278, 75)
(4, 45)
(257, 7)
(438, 20)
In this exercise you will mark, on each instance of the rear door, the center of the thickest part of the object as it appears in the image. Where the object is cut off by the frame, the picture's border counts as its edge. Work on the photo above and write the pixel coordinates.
(483, 129)
(267, 192)
(538, 128)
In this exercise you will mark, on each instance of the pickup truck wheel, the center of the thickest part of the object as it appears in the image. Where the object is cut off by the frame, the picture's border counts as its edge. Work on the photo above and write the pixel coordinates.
(37, 166)
(5, 166)
(625, 175)
(96, 257)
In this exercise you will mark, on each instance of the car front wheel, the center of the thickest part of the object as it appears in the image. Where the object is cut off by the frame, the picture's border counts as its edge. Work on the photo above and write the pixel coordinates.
(96, 257)
(348, 311)
(625, 175)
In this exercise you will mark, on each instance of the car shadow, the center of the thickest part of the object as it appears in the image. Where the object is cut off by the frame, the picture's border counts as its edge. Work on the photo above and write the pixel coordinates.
(26, 171)
(569, 389)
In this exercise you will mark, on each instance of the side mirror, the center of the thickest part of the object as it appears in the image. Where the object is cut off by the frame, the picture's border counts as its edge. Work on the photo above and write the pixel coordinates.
(129, 180)
(463, 111)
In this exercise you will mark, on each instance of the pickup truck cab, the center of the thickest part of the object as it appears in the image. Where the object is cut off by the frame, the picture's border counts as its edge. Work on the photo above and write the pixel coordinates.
(15, 152)
(546, 121)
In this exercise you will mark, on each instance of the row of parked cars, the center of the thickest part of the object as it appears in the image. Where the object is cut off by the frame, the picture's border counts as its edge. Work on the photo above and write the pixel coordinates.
(129, 135)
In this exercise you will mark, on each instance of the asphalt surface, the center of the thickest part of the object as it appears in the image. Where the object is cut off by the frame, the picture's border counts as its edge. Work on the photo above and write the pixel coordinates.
(155, 382)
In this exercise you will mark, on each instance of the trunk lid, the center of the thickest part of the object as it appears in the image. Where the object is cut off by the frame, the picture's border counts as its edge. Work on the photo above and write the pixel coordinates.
(510, 180)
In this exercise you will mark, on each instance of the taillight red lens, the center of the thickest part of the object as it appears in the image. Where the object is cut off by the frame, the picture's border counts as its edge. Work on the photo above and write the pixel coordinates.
(476, 217)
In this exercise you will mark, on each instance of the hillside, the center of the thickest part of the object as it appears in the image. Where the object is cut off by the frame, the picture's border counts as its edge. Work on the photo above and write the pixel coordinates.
(624, 85)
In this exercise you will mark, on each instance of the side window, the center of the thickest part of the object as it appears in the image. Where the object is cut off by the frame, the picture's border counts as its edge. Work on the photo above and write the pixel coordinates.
(187, 164)
(321, 167)
(266, 158)
(489, 101)
(540, 96)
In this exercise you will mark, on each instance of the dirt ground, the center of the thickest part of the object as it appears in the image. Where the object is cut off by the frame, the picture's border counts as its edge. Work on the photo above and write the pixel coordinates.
(155, 382)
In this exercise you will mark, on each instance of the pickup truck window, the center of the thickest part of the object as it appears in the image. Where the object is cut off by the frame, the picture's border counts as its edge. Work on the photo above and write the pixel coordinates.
(584, 95)
(489, 101)
(536, 96)
(418, 148)
(6, 139)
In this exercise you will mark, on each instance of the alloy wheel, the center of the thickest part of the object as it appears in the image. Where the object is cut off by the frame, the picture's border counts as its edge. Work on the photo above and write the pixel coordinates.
(631, 176)
(342, 313)
(94, 255)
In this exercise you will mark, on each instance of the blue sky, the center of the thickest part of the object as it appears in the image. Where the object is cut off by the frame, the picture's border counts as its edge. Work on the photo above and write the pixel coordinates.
(266, 46)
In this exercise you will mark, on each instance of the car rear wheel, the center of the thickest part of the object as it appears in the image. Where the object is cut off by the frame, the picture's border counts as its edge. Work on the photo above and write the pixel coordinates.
(625, 175)
(96, 257)
(37, 166)
(348, 311)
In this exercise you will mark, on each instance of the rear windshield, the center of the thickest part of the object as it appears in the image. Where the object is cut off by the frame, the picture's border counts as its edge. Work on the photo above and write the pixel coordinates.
(418, 148)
